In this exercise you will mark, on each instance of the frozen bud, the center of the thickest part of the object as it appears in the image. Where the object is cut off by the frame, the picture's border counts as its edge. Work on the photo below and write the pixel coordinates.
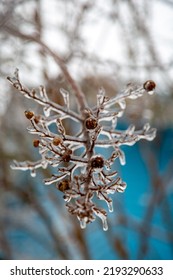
(36, 143)
(56, 141)
(69, 151)
(97, 162)
(64, 186)
(149, 85)
(29, 115)
(66, 157)
(37, 119)
(91, 123)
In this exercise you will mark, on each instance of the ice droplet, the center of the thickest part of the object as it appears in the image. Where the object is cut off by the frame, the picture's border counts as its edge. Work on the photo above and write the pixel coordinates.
(82, 223)
(103, 217)
(151, 92)
(110, 206)
(105, 224)
(33, 173)
(122, 157)
(150, 136)
(44, 164)
(46, 111)
(43, 93)
(146, 127)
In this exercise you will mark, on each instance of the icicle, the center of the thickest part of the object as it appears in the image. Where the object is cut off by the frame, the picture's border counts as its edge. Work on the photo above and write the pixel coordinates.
(151, 134)
(104, 221)
(110, 206)
(43, 94)
(100, 97)
(44, 164)
(47, 111)
(82, 223)
(102, 215)
(120, 113)
(33, 173)
(146, 127)
(122, 158)
(105, 224)
(114, 123)
(130, 130)
(65, 95)
(60, 126)
(111, 160)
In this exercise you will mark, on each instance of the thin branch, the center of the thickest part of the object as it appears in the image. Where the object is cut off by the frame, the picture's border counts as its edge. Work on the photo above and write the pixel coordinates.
(34, 38)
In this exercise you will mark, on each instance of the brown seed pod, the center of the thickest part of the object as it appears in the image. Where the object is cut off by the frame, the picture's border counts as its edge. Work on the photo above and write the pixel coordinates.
(66, 157)
(36, 143)
(97, 162)
(91, 123)
(29, 114)
(57, 140)
(149, 85)
(69, 152)
(64, 186)
(37, 119)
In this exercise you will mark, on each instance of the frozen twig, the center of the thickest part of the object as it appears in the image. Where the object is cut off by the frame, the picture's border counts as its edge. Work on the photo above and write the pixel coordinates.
(82, 173)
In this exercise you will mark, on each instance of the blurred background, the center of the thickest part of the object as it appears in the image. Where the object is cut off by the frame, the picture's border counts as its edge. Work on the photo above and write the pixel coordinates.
(104, 44)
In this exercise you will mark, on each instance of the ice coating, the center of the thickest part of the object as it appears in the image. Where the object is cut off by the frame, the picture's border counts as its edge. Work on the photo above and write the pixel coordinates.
(83, 175)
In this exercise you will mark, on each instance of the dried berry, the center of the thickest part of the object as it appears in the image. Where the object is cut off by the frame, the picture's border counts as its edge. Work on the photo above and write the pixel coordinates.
(36, 143)
(149, 85)
(69, 152)
(29, 114)
(66, 157)
(97, 162)
(64, 186)
(37, 119)
(91, 123)
(57, 140)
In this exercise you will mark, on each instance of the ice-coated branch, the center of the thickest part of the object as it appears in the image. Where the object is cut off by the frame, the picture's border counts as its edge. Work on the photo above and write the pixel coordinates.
(41, 98)
(80, 172)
